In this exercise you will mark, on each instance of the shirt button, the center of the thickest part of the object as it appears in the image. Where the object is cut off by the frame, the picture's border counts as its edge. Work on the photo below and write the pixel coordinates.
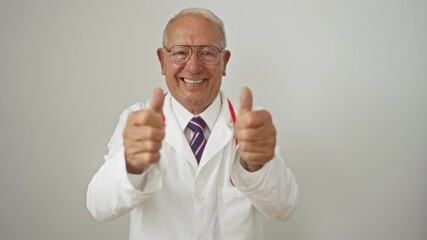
(199, 200)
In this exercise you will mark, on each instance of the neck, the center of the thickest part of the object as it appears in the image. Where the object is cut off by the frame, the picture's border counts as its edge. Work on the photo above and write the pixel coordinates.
(194, 106)
(196, 110)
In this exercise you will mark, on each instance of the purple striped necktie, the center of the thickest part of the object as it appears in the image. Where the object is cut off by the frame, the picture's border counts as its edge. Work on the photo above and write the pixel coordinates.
(198, 142)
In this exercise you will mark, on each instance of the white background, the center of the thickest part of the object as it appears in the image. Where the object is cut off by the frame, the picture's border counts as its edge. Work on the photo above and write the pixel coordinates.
(346, 82)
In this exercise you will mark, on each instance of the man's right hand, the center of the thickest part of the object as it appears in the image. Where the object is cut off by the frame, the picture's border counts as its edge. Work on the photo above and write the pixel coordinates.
(143, 135)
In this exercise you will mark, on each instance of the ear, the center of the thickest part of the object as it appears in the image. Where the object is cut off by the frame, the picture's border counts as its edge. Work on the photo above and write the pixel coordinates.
(161, 57)
(226, 58)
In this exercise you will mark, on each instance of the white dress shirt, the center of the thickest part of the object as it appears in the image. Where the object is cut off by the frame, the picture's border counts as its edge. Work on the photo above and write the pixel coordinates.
(178, 199)
(210, 115)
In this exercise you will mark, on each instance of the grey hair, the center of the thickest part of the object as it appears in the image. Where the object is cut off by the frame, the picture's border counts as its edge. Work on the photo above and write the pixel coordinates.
(201, 12)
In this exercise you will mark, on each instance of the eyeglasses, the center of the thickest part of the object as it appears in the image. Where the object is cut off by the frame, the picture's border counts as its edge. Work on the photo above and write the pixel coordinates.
(208, 54)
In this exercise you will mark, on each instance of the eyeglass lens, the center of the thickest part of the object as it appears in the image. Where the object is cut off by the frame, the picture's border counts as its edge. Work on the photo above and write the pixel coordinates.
(207, 54)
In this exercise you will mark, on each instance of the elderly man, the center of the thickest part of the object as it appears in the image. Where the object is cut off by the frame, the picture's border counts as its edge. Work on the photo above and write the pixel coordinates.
(185, 165)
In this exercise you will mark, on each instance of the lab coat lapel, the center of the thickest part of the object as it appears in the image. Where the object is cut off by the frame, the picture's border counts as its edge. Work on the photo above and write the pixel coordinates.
(174, 134)
(221, 134)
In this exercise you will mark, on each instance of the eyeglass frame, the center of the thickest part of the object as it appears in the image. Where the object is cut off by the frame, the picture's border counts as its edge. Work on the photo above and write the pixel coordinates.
(192, 50)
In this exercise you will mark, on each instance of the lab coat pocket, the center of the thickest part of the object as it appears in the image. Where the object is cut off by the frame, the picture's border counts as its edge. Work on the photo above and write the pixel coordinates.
(236, 214)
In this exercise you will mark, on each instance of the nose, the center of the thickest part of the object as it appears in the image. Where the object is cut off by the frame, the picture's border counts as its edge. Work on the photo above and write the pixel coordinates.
(194, 64)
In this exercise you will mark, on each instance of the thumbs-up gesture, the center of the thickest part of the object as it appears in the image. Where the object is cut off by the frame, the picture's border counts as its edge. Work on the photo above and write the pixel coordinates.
(143, 135)
(255, 132)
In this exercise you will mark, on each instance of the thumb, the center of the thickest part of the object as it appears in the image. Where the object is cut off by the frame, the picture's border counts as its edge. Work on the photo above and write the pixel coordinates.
(156, 101)
(245, 100)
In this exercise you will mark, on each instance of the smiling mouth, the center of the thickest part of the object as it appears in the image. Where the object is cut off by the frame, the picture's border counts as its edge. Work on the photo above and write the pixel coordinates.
(192, 82)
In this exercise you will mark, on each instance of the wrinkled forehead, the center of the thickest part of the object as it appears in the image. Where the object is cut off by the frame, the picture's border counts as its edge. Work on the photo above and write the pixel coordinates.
(193, 30)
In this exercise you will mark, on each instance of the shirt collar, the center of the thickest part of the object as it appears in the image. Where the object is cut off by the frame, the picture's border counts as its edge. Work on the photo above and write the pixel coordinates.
(210, 115)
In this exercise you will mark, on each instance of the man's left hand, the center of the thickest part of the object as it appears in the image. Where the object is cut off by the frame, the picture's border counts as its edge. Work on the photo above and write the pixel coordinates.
(255, 132)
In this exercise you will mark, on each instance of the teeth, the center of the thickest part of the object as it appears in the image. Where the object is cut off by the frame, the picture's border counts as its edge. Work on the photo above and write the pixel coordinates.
(188, 81)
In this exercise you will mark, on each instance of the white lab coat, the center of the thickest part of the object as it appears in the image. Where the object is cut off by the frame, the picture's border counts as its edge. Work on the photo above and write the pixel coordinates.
(178, 199)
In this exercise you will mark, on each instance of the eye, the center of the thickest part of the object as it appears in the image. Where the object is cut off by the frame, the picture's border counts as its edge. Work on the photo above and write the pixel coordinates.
(180, 54)
(208, 53)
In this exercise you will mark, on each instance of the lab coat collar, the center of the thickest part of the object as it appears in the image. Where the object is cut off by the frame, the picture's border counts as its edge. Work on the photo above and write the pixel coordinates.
(221, 134)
